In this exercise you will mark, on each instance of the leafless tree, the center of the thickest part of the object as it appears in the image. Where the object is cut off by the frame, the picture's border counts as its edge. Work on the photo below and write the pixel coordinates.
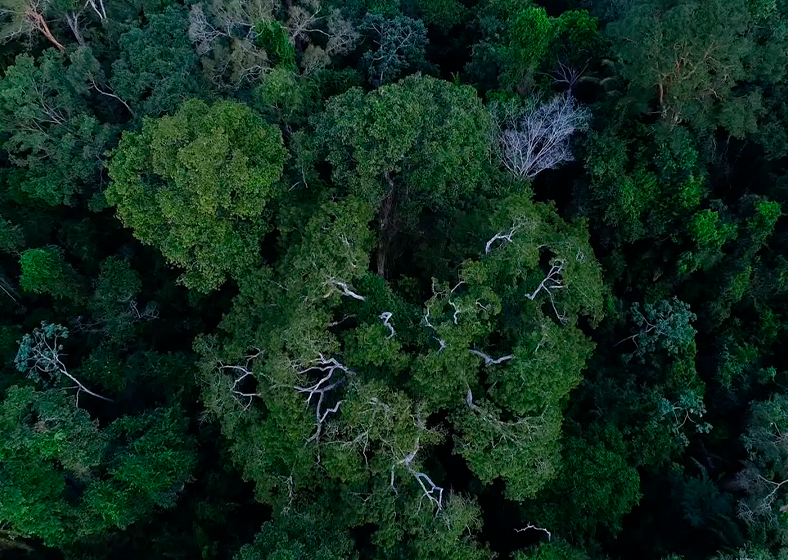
(537, 138)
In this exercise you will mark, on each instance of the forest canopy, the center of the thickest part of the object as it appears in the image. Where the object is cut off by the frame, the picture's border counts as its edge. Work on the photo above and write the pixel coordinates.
(393, 279)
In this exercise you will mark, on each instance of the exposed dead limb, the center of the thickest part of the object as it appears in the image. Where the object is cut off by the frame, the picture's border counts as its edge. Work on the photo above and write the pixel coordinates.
(502, 236)
(244, 398)
(342, 288)
(327, 368)
(490, 361)
(72, 19)
(535, 528)
(553, 281)
(386, 316)
(110, 94)
(39, 353)
(99, 8)
(38, 23)
(432, 491)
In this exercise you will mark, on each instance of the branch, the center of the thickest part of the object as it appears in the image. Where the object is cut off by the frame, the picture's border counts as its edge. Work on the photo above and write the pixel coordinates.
(343, 289)
(386, 316)
(110, 94)
(553, 281)
(434, 493)
(245, 371)
(490, 361)
(534, 527)
(502, 236)
(326, 367)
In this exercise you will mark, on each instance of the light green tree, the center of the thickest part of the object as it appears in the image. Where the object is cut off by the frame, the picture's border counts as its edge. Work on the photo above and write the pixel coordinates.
(197, 185)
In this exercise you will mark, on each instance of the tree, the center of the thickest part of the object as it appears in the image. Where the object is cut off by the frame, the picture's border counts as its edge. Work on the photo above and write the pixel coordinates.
(40, 357)
(596, 487)
(27, 17)
(196, 185)
(536, 137)
(45, 272)
(418, 144)
(688, 57)
(766, 470)
(399, 47)
(157, 69)
(46, 441)
(65, 479)
(54, 138)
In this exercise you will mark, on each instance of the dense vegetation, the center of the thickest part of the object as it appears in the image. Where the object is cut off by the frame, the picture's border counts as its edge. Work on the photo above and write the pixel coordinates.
(393, 279)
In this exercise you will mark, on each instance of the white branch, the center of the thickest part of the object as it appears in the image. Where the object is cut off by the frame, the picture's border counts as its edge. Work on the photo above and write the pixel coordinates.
(386, 316)
(502, 237)
(433, 493)
(534, 527)
(553, 281)
(244, 372)
(490, 361)
(539, 139)
(343, 289)
(321, 388)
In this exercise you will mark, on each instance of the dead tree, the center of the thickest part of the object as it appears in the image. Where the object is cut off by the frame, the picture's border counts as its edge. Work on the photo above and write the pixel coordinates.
(538, 138)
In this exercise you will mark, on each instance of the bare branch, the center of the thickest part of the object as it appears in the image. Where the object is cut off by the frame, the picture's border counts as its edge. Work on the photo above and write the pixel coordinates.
(343, 289)
(535, 528)
(386, 316)
(432, 491)
(40, 353)
(327, 368)
(488, 360)
(244, 398)
(501, 236)
(553, 281)
(539, 139)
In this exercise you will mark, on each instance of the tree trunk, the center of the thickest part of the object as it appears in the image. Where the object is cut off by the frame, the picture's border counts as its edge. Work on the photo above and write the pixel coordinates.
(386, 224)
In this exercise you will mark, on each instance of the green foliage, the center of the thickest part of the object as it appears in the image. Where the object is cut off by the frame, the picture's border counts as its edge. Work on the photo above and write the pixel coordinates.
(400, 44)
(51, 460)
(596, 487)
(303, 535)
(152, 461)
(418, 355)
(196, 186)
(663, 326)
(531, 31)
(422, 137)
(52, 136)
(706, 229)
(276, 41)
(45, 272)
(157, 67)
(552, 551)
(688, 57)
(11, 236)
(46, 441)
